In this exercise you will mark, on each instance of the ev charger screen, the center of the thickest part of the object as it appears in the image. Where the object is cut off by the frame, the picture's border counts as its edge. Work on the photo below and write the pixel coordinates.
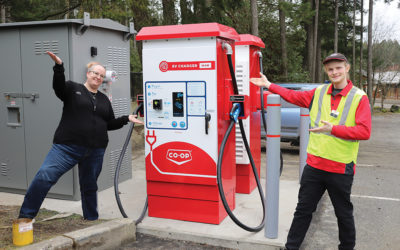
(177, 98)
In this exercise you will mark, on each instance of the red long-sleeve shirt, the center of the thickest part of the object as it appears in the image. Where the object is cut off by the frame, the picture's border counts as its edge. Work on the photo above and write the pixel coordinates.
(361, 131)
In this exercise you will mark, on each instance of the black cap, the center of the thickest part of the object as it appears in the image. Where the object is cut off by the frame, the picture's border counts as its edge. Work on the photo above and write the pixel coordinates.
(335, 56)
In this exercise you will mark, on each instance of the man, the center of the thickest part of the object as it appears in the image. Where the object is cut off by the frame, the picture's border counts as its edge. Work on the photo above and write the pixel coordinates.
(340, 116)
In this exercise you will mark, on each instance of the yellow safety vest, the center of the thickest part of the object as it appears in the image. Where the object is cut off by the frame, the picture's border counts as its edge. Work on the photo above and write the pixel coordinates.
(326, 145)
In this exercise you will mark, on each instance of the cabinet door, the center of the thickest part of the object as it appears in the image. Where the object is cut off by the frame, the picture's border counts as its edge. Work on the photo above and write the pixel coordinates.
(12, 144)
(43, 114)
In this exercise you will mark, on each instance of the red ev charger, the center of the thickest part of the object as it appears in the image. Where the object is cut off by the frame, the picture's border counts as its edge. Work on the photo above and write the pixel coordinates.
(248, 65)
(187, 87)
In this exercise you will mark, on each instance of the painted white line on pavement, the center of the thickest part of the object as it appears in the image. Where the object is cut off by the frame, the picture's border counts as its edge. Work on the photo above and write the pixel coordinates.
(364, 165)
(375, 197)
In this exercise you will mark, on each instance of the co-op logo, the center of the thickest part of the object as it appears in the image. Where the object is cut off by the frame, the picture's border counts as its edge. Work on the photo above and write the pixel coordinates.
(179, 156)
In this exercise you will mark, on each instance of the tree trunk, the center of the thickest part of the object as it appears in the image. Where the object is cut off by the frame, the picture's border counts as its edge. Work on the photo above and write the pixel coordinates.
(3, 13)
(310, 57)
(376, 92)
(383, 94)
(169, 15)
(100, 9)
(200, 10)
(315, 36)
(353, 78)
(185, 12)
(308, 27)
(254, 17)
(335, 43)
(361, 44)
(310, 39)
(282, 24)
(369, 63)
(66, 15)
(318, 73)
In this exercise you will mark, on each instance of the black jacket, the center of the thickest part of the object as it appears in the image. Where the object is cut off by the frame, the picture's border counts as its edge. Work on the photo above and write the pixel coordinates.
(85, 119)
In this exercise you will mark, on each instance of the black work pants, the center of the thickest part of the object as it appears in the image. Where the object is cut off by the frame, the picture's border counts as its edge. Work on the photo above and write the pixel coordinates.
(313, 184)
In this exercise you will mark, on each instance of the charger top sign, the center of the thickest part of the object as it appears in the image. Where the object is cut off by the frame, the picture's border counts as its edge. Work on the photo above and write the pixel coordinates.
(199, 65)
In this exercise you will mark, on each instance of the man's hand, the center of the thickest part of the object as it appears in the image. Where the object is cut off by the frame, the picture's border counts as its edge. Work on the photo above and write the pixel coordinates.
(133, 118)
(261, 82)
(55, 58)
(327, 127)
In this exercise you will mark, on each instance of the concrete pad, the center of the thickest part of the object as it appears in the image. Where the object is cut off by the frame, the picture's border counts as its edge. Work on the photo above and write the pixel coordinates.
(10, 199)
(228, 234)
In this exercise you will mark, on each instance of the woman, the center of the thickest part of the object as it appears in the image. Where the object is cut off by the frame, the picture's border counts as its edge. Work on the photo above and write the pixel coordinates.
(81, 138)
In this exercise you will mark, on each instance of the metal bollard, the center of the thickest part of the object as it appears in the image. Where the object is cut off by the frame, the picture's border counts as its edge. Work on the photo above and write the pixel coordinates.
(304, 136)
(273, 163)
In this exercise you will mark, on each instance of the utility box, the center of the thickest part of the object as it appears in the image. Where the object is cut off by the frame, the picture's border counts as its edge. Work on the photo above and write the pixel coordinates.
(247, 66)
(29, 109)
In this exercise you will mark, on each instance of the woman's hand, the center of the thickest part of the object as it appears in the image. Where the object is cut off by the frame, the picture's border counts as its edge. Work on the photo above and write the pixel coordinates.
(261, 82)
(133, 118)
(55, 58)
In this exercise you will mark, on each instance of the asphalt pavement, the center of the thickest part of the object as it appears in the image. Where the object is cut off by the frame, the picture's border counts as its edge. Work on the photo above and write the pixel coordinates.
(375, 194)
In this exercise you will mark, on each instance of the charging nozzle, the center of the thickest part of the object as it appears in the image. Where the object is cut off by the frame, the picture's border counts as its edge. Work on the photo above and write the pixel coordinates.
(241, 112)
(235, 112)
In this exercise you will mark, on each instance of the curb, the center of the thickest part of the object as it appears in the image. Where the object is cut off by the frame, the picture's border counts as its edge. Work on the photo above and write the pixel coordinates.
(106, 235)
(227, 242)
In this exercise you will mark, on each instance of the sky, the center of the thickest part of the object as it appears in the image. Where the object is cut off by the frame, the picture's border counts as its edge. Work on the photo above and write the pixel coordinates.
(386, 16)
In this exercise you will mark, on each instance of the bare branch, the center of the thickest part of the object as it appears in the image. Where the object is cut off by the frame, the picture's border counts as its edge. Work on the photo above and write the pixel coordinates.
(64, 11)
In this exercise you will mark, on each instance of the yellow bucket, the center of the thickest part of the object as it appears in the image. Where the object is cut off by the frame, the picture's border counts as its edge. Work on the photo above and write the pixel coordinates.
(22, 231)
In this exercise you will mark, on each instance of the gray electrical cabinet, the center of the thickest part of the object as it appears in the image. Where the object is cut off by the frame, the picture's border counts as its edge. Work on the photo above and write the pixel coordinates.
(29, 109)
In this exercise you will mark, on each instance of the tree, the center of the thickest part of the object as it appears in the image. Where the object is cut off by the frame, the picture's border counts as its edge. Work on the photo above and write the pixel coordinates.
(335, 44)
(315, 35)
(201, 10)
(186, 12)
(354, 42)
(282, 25)
(369, 63)
(361, 44)
(254, 17)
(233, 13)
(4, 4)
(169, 12)
(385, 58)
(145, 13)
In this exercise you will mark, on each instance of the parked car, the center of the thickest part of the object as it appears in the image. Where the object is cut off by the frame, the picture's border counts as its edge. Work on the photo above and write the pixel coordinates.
(290, 114)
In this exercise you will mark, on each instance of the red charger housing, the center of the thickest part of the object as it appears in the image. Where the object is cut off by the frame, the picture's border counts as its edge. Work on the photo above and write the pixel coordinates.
(187, 85)
(248, 66)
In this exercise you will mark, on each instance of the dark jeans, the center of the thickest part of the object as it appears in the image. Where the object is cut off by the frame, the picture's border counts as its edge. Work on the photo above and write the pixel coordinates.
(313, 184)
(60, 159)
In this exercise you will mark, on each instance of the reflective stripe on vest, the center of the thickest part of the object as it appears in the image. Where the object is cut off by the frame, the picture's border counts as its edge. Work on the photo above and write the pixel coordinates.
(326, 145)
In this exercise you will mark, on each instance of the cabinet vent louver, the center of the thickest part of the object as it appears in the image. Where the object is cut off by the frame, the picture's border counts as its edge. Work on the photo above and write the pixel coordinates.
(40, 47)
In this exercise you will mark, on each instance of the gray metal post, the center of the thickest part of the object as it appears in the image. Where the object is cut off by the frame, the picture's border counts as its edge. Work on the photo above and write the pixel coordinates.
(273, 163)
(304, 135)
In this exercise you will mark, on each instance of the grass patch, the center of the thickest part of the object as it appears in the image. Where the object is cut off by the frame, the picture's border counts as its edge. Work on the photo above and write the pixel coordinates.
(42, 230)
